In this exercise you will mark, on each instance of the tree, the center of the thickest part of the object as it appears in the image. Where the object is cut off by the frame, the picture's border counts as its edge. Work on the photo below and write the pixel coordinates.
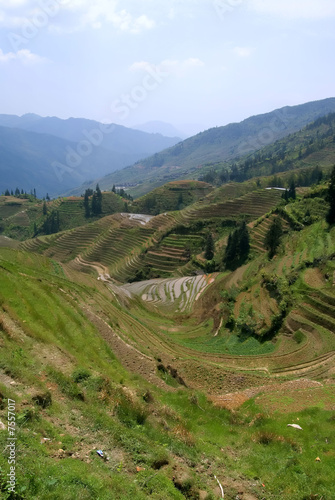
(331, 199)
(52, 223)
(99, 199)
(94, 204)
(238, 247)
(291, 191)
(45, 209)
(87, 204)
(273, 236)
(244, 242)
(209, 249)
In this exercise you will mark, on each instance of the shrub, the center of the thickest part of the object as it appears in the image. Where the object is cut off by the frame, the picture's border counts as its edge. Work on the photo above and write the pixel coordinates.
(44, 400)
(80, 374)
(298, 336)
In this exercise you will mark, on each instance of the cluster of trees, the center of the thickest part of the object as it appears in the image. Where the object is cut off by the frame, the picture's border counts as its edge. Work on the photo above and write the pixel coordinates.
(93, 206)
(121, 192)
(20, 193)
(290, 194)
(238, 247)
(51, 224)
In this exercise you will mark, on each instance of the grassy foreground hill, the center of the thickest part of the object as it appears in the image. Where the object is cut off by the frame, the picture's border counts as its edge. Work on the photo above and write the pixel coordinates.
(176, 397)
(139, 369)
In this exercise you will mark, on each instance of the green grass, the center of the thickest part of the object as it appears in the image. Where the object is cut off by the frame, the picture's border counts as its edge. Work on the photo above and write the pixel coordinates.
(228, 344)
(168, 442)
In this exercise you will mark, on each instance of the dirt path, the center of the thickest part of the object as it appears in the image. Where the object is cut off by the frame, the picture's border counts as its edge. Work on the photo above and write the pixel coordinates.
(132, 359)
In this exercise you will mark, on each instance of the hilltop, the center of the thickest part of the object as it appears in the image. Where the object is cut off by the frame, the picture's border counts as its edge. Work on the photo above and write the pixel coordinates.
(171, 196)
(24, 216)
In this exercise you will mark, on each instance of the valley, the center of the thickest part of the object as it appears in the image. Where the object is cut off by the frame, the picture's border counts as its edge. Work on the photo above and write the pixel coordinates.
(177, 334)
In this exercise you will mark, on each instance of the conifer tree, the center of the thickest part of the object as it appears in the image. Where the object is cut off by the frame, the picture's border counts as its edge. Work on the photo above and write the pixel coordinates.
(331, 199)
(273, 236)
(87, 204)
(209, 250)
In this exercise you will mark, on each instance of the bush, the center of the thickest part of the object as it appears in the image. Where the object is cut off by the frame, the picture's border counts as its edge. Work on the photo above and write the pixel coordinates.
(43, 400)
(80, 374)
(298, 336)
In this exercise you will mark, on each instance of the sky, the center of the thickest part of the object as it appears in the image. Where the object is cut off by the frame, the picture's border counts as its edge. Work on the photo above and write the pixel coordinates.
(193, 63)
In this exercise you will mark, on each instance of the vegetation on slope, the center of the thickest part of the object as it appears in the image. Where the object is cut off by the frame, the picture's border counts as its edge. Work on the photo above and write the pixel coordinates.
(134, 370)
(24, 218)
(73, 398)
(220, 144)
(172, 196)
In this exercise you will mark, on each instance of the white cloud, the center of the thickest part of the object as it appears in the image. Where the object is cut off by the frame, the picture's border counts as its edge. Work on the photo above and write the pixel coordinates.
(243, 51)
(94, 14)
(75, 14)
(297, 9)
(170, 66)
(194, 62)
(12, 4)
(24, 56)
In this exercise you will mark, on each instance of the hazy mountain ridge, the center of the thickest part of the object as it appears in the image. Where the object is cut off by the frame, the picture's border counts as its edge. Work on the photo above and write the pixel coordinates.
(84, 150)
(220, 144)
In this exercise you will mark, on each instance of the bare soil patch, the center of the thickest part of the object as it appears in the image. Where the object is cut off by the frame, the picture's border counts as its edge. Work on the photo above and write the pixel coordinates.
(314, 278)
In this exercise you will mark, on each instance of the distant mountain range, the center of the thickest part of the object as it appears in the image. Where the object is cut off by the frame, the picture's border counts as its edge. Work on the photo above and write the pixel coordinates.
(61, 156)
(219, 144)
(158, 127)
(55, 155)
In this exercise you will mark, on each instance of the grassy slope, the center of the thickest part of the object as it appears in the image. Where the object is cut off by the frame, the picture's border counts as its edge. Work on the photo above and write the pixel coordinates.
(171, 196)
(18, 216)
(55, 321)
(165, 444)
(123, 246)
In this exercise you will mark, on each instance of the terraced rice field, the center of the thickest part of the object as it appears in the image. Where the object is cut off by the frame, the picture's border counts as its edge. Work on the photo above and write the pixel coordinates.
(251, 205)
(178, 294)
(172, 252)
(259, 230)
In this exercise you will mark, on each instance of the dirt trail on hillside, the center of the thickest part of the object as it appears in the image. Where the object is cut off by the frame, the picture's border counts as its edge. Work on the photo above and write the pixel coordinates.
(132, 359)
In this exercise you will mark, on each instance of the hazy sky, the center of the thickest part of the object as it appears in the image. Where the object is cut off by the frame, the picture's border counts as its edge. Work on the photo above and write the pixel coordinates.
(208, 62)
